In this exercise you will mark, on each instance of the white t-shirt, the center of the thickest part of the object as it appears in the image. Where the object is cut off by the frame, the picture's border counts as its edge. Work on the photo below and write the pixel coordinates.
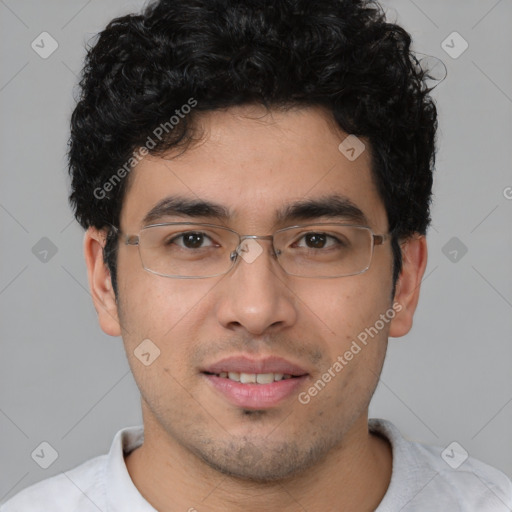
(421, 481)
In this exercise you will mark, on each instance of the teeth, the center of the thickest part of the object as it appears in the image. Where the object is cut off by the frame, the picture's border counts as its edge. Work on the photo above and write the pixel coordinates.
(247, 378)
(253, 378)
(264, 378)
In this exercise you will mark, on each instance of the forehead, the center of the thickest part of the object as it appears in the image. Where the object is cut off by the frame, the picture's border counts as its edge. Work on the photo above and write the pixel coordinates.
(253, 169)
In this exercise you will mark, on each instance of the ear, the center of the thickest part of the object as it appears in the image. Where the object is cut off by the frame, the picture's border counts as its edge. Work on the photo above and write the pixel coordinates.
(100, 282)
(407, 293)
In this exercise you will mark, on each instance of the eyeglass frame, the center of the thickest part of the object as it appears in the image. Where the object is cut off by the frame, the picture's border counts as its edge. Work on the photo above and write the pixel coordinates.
(134, 240)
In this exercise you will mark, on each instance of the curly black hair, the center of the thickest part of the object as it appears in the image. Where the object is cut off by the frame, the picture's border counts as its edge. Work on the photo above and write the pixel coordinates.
(339, 54)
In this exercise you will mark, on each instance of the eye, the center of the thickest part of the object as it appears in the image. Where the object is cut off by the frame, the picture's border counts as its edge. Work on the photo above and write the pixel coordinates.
(318, 241)
(191, 240)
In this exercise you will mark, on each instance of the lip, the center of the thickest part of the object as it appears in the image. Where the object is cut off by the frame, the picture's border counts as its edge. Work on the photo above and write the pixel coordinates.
(244, 364)
(255, 396)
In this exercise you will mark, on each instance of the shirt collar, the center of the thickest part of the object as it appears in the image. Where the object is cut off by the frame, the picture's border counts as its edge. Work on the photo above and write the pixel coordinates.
(121, 493)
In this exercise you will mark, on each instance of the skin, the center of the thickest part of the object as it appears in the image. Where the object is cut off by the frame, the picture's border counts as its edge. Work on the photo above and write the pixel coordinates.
(200, 451)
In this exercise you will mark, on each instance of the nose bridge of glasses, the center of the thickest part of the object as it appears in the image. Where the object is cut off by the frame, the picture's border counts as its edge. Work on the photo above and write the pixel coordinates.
(254, 237)
(243, 246)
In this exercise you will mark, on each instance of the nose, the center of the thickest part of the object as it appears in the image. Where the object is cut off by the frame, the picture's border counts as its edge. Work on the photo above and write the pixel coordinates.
(255, 295)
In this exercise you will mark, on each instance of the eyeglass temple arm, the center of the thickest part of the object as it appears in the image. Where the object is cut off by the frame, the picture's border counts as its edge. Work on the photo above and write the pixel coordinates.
(131, 239)
(127, 239)
(380, 239)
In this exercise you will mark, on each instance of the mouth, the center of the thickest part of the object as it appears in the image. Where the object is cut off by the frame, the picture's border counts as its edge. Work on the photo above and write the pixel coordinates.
(248, 369)
(255, 383)
(254, 378)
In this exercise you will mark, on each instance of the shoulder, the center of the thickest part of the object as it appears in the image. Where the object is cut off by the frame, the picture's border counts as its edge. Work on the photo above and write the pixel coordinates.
(79, 489)
(449, 477)
(471, 483)
(87, 487)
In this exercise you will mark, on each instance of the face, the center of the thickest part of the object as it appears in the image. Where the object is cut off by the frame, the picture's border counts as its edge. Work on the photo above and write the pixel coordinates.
(254, 164)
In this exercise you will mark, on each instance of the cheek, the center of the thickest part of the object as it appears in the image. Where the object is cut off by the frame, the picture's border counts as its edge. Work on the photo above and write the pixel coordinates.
(158, 320)
(356, 314)
(167, 312)
(347, 305)
(154, 306)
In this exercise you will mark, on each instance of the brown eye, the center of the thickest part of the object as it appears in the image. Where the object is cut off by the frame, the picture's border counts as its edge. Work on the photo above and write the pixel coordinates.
(318, 241)
(193, 240)
(315, 240)
(190, 240)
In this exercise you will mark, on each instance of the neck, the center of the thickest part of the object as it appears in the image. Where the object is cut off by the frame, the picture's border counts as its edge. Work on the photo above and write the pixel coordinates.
(354, 476)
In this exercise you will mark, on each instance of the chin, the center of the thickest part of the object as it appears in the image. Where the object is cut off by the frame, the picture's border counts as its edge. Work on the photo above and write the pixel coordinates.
(247, 461)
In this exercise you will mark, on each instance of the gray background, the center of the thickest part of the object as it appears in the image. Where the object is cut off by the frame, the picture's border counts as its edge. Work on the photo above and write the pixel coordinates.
(63, 381)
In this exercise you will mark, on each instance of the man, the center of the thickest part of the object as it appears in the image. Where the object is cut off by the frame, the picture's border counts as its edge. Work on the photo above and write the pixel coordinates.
(254, 179)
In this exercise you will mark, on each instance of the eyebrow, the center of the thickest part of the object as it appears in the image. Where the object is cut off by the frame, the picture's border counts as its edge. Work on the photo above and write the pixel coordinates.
(333, 206)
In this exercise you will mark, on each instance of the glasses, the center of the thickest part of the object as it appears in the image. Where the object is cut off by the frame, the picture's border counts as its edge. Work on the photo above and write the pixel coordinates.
(188, 250)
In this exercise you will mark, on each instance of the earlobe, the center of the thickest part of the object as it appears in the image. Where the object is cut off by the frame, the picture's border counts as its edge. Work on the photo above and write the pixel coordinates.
(100, 282)
(414, 262)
